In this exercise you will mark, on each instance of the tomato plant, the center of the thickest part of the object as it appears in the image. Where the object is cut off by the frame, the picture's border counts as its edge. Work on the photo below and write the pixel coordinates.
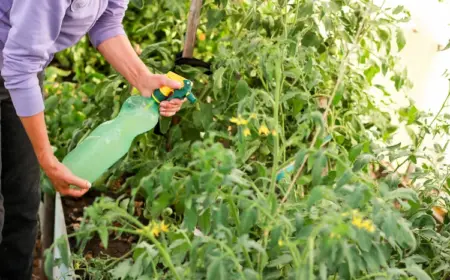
(290, 86)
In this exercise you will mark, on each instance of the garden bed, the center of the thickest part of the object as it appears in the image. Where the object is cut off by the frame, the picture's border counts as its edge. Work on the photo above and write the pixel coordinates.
(73, 214)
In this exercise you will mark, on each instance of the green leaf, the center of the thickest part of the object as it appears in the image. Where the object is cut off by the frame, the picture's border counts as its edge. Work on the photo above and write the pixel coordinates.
(318, 167)
(316, 195)
(164, 124)
(138, 3)
(165, 177)
(48, 264)
(214, 16)
(403, 193)
(362, 161)
(242, 89)
(137, 268)
(248, 219)
(217, 270)
(318, 120)
(204, 221)
(348, 174)
(446, 47)
(51, 103)
(299, 158)
(190, 218)
(104, 235)
(417, 272)
(398, 10)
(393, 180)
(355, 151)
(401, 40)
(291, 94)
(371, 72)
(250, 274)
(281, 260)
(121, 271)
(63, 248)
(218, 75)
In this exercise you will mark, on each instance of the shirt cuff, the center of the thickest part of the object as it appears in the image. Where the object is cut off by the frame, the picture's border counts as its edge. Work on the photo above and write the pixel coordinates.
(27, 102)
(104, 35)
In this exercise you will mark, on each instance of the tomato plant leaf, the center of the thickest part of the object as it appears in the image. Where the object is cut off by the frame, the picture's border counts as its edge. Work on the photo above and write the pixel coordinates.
(281, 260)
(318, 167)
(248, 219)
(48, 264)
(122, 269)
(217, 270)
(104, 235)
(63, 248)
(418, 272)
(403, 193)
(190, 218)
(401, 40)
(362, 161)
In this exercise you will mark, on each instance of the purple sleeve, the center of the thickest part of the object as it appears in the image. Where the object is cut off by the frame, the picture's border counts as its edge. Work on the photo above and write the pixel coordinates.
(34, 30)
(110, 22)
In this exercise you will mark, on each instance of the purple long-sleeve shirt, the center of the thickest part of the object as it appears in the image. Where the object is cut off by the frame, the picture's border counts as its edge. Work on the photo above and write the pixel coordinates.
(32, 31)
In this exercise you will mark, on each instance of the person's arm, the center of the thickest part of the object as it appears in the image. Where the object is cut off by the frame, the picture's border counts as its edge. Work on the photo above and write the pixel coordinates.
(109, 37)
(33, 32)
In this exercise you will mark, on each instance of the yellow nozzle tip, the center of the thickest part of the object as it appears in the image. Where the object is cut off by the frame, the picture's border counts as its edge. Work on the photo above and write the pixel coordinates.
(171, 75)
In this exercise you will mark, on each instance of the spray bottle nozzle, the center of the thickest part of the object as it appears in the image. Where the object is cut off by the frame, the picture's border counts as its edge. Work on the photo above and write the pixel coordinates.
(166, 93)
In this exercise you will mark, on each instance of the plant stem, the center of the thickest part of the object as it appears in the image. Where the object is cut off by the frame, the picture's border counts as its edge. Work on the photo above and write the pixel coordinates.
(422, 136)
(276, 106)
(342, 68)
(379, 274)
(164, 254)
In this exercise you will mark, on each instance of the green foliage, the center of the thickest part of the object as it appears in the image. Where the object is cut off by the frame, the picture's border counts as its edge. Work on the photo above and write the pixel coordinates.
(290, 85)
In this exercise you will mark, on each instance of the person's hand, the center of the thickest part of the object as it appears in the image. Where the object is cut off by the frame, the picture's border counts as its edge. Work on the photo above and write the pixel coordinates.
(152, 82)
(170, 108)
(62, 178)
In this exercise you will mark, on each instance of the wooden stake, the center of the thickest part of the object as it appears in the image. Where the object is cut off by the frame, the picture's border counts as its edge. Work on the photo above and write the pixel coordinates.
(192, 25)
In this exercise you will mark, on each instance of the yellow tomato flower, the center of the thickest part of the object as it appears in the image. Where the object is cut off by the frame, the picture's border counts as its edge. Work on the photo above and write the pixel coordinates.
(164, 227)
(155, 230)
(274, 132)
(247, 132)
(263, 130)
(367, 225)
(234, 120)
(252, 116)
(358, 222)
(239, 120)
(333, 235)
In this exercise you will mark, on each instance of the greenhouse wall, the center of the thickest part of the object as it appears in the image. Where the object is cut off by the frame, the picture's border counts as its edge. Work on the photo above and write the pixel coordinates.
(426, 65)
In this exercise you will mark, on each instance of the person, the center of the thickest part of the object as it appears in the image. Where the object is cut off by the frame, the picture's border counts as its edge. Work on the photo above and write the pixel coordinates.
(31, 32)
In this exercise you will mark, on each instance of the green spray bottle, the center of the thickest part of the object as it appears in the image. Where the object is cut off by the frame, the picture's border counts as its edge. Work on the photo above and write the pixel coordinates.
(111, 140)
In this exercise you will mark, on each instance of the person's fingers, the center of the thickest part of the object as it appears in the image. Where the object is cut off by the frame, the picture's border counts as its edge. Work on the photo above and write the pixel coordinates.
(169, 110)
(165, 81)
(75, 192)
(164, 104)
(176, 102)
(167, 113)
(78, 182)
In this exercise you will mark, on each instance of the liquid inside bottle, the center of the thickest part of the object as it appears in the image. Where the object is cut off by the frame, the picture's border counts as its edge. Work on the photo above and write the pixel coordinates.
(111, 140)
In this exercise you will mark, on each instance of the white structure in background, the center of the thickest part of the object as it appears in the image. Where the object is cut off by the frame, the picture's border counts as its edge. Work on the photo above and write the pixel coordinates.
(428, 29)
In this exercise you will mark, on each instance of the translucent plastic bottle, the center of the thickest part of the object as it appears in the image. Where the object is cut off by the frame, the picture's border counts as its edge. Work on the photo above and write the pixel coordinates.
(112, 139)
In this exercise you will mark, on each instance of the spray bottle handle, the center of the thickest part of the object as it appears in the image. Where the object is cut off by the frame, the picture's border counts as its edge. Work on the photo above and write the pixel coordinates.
(166, 93)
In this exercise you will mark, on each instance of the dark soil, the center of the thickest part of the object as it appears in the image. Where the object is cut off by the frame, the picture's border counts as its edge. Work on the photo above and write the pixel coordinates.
(73, 214)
